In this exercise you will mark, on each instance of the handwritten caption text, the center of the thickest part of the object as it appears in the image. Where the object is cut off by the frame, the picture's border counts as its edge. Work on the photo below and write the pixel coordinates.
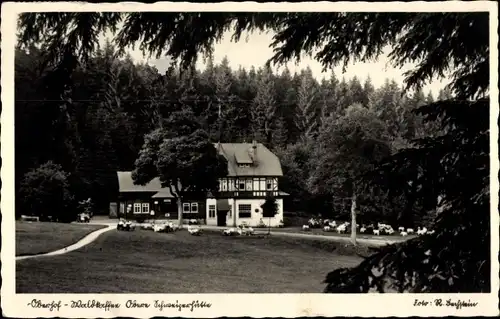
(109, 305)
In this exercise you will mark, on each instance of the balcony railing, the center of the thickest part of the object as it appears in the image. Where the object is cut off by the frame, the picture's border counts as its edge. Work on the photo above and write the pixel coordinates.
(247, 194)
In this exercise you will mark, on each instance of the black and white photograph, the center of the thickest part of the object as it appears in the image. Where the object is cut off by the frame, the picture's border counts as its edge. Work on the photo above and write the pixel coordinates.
(221, 150)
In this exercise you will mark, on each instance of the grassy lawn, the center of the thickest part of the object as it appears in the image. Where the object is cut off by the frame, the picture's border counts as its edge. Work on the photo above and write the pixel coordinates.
(148, 262)
(40, 237)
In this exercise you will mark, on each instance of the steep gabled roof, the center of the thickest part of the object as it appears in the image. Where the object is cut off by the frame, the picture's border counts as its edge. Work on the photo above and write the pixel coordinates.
(266, 162)
(126, 184)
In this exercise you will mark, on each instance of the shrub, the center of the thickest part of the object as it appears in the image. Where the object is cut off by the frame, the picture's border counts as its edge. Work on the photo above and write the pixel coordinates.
(45, 192)
(294, 221)
(86, 206)
(269, 209)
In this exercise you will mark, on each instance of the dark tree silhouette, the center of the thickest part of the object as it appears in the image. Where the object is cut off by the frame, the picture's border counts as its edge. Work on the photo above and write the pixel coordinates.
(269, 210)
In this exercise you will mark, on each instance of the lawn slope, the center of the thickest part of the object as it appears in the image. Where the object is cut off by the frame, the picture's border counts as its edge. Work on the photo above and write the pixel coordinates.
(40, 237)
(148, 262)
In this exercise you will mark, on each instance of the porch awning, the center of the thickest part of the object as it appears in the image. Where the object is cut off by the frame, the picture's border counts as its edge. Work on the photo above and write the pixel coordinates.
(164, 193)
(223, 204)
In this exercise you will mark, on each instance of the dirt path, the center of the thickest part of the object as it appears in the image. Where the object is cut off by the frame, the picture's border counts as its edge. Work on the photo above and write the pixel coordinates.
(364, 241)
(79, 244)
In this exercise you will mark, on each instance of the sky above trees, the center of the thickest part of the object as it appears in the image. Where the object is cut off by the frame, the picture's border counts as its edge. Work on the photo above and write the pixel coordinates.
(256, 51)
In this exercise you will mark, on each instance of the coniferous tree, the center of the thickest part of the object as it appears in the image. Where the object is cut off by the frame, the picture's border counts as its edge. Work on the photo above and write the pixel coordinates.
(345, 97)
(286, 97)
(357, 91)
(328, 99)
(307, 105)
(280, 133)
(368, 91)
(244, 98)
(224, 100)
(264, 107)
(385, 103)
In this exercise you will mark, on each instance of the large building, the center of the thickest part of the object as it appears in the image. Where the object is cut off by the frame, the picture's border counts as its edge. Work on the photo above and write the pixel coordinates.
(253, 174)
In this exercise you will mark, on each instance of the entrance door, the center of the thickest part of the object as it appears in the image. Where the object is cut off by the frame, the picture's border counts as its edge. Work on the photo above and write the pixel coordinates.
(221, 217)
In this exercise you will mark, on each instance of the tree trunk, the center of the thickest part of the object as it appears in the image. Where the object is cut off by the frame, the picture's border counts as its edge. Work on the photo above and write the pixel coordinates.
(179, 211)
(269, 227)
(353, 219)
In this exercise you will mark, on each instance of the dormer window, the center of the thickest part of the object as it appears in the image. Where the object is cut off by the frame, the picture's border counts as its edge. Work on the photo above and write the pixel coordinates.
(243, 159)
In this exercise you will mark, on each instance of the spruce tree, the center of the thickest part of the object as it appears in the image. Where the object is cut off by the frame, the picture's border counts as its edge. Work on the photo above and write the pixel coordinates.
(307, 105)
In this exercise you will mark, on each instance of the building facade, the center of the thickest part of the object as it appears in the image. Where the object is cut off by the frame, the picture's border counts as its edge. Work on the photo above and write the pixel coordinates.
(253, 174)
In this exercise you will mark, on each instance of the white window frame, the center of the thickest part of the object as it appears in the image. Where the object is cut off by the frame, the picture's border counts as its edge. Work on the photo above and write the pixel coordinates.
(184, 205)
(145, 205)
(255, 184)
(240, 182)
(262, 184)
(211, 211)
(193, 205)
(245, 210)
(224, 185)
(137, 208)
(248, 185)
